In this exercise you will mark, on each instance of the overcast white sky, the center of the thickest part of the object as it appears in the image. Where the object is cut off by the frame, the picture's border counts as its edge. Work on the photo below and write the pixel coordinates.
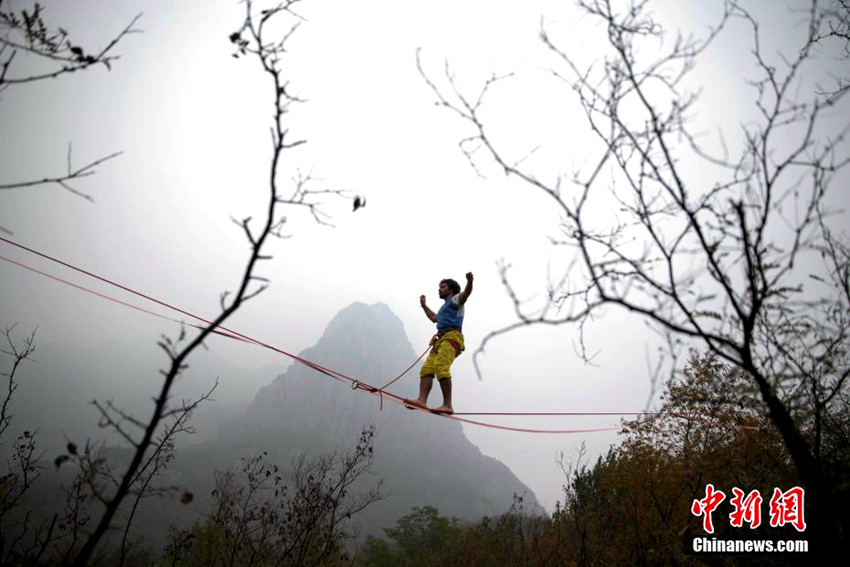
(193, 125)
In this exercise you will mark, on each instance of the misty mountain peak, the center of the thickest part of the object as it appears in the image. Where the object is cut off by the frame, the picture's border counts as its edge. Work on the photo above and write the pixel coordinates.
(366, 325)
(423, 459)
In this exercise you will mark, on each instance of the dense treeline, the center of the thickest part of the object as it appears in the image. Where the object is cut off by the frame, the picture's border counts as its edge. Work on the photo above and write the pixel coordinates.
(633, 506)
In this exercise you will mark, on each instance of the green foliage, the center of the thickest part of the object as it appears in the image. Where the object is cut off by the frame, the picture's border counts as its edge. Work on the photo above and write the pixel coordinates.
(376, 552)
(423, 532)
(424, 538)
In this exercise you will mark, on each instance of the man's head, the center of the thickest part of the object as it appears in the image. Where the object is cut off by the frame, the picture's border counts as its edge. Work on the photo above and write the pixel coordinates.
(448, 288)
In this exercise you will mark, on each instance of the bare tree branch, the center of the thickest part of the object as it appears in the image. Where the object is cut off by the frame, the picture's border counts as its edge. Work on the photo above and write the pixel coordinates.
(18, 354)
(269, 54)
(28, 32)
(707, 248)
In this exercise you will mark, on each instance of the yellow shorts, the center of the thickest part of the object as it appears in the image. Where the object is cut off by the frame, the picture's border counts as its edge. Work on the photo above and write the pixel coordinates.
(442, 355)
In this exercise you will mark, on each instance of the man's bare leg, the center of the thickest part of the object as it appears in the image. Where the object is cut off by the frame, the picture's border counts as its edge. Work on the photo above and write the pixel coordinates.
(446, 387)
(425, 384)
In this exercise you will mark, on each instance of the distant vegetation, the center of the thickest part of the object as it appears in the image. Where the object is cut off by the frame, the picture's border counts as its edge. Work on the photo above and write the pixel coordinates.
(633, 506)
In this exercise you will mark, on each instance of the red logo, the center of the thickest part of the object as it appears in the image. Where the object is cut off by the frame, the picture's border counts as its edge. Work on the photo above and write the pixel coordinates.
(746, 509)
(785, 508)
(707, 505)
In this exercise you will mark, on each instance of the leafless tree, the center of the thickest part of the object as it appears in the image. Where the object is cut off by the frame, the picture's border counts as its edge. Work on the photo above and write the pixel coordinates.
(56, 55)
(26, 534)
(250, 40)
(163, 452)
(24, 466)
(96, 481)
(729, 252)
(260, 517)
(830, 24)
(19, 354)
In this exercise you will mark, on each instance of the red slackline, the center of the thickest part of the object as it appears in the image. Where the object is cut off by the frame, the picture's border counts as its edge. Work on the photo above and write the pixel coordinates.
(356, 384)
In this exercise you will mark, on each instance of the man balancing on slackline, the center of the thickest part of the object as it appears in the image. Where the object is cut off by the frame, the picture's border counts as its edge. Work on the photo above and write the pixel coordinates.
(446, 345)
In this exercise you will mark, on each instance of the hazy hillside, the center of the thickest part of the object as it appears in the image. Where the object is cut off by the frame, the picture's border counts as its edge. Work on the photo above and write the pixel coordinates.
(57, 386)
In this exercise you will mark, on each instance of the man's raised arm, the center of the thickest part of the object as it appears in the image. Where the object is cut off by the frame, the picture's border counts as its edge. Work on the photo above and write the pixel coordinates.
(428, 313)
(467, 291)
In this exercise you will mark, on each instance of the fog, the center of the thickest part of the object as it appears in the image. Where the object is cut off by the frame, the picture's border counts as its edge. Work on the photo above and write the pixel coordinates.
(192, 123)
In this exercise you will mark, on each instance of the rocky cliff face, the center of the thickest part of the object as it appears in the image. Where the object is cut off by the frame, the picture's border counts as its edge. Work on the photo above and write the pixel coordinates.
(422, 459)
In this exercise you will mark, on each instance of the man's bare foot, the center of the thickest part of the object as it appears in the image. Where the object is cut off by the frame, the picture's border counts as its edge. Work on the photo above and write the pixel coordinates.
(414, 404)
(444, 409)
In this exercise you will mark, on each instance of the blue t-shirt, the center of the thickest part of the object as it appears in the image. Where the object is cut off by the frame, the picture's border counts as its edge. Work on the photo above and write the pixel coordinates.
(450, 315)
